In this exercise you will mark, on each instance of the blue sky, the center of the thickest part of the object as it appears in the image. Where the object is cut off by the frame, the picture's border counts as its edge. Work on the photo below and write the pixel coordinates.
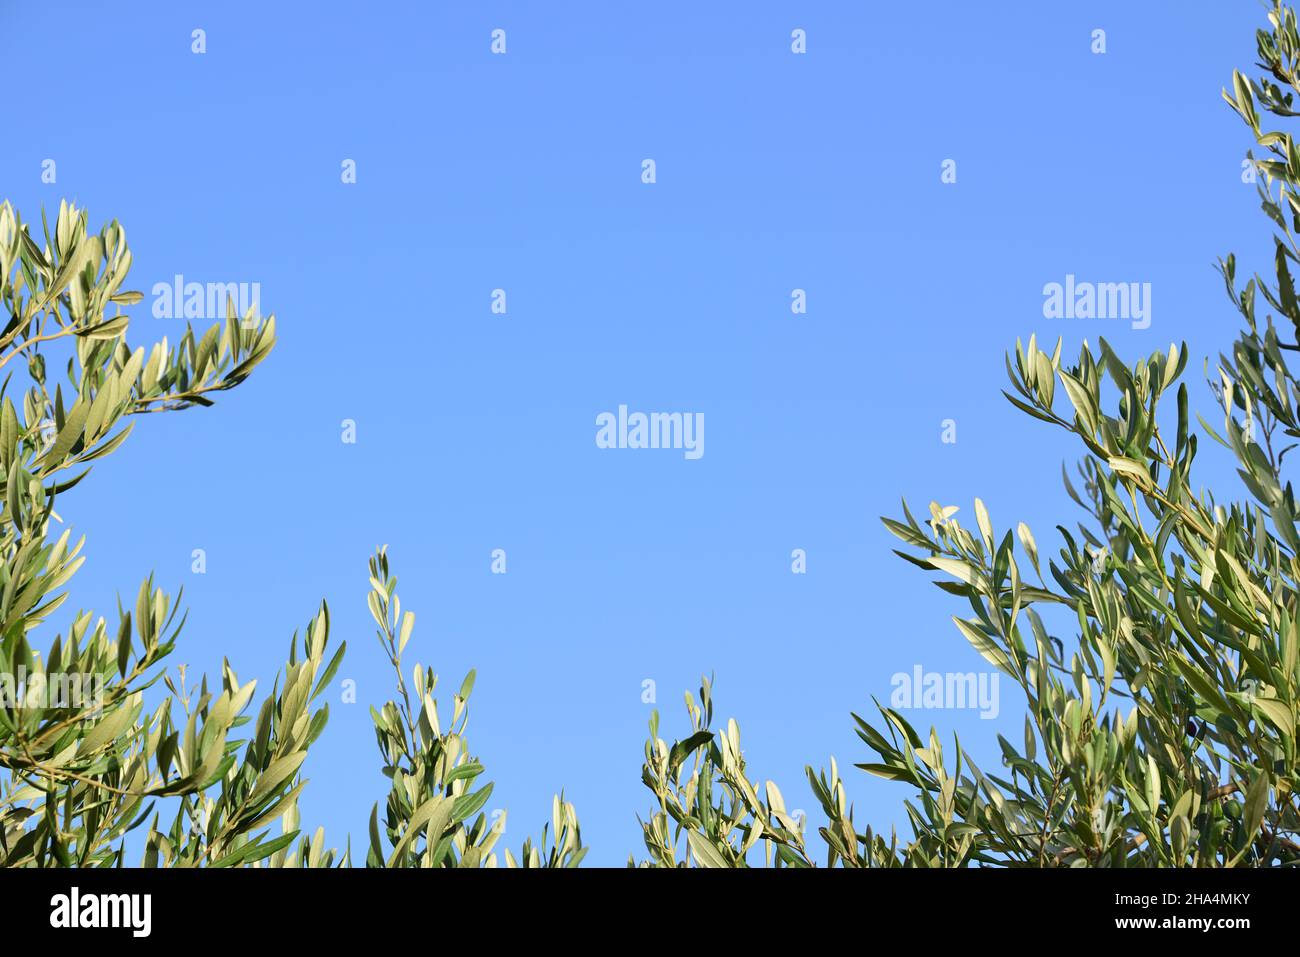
(475, 431)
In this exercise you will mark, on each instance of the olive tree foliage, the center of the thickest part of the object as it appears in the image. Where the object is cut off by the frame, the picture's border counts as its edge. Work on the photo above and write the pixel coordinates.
(434, 812)
(1157, 651)
(709, 813)
(1156, 646)
(84, 761)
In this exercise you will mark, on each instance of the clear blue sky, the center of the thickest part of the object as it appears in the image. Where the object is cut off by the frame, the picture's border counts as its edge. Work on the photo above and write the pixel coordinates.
(476, 431)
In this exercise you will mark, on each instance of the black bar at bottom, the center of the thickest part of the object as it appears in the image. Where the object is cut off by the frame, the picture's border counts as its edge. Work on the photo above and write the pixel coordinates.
(178, 907)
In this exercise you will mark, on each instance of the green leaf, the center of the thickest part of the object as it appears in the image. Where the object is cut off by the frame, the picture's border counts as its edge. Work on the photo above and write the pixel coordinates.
(109, 729)
(985, 645)
(706, 855)
(467, 805)
(683, 749)
(252, 852)
(1131, 468)
(1277, 712)
(66, 438)
(433, 813)
(1256, 804)
(108, 329)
